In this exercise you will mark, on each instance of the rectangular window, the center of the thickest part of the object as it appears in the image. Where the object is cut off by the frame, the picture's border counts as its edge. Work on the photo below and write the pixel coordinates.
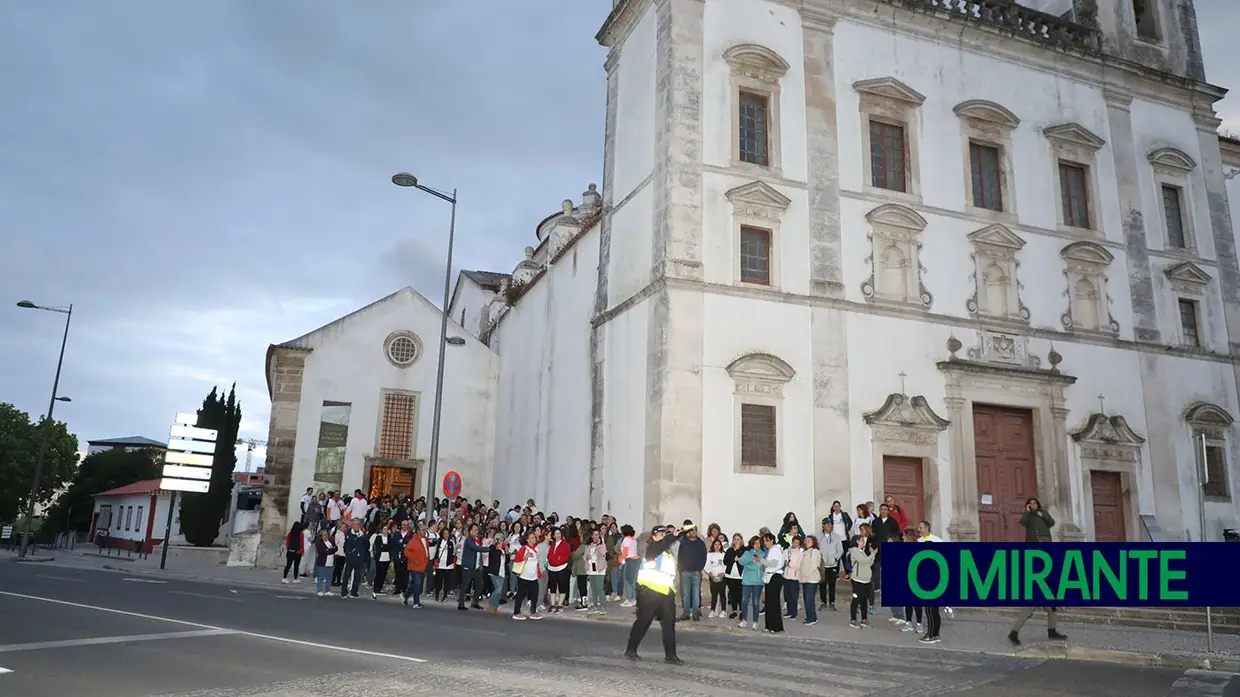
(128, 516)
(755, 112)
(987, 179)
(1215, 483)
(137, 520)
(758, 439)
(755, 255)
(1175, 216)
(1146, 20)
(1190, 335)
(396, 434)
(887, 160)
(1075, 193)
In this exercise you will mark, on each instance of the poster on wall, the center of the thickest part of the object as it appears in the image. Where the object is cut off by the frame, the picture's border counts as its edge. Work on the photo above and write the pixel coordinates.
(333, 436)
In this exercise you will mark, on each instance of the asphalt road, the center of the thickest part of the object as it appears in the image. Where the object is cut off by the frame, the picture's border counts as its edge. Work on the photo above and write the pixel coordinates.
(83, 632)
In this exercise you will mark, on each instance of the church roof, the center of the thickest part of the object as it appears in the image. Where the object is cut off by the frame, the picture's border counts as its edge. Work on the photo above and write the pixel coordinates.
(489, 280)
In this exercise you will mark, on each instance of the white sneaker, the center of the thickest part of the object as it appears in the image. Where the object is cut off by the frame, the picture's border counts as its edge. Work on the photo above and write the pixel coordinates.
(320, 594)
(297, 580)
(284, 580)
(908, 628)
(919, 629)
(626, 604)
(755, 626)
(894, 620)
(741, 625)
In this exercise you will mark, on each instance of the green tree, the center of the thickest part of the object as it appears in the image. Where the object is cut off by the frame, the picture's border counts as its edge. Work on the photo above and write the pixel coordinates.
(202, 514)
(99, 472)
(19, 451)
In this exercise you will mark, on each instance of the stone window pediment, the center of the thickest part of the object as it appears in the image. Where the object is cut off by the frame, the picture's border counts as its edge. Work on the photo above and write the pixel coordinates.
(756, 63)
(1087, 253)
(987, 112)
(996, 292)
(1208, 418)
(895, 257)
(890, 89)
(1172, 161)
(760, 372)
(758, 200)
(1074, 136)
(904, 412)
(1187, 277)
(1110, 430)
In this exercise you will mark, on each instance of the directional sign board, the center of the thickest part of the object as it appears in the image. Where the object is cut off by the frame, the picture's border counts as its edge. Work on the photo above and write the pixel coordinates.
(190, 454)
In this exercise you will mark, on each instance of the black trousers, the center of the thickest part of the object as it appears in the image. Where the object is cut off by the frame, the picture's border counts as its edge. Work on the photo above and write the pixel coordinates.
(861, 598)
(337, 570)
(718, 594)
(734, 594)
(934, 621)
(381, 569)
(826, 589)
(351, 579)
(910, 611)
(653, 605)
(400, 581)
(443, 583)
(470, 577)
(774, 613)
(292, 560)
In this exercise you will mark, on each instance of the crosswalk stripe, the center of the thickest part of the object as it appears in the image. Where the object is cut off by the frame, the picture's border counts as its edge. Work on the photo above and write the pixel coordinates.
(713, 688)
(862, 667)
(822, 669)
(753, 672)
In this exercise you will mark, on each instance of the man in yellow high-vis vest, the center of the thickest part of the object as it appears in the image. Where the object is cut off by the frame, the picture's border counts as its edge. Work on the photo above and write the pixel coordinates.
(656, 595)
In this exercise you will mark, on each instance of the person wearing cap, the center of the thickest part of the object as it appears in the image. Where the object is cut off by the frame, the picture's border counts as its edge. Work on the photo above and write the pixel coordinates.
(691, 557)
(656, 595)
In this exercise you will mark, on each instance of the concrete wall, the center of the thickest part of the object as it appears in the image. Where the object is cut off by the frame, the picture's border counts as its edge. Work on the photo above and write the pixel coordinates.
(347, 364)
(468, 302)
(542, 429)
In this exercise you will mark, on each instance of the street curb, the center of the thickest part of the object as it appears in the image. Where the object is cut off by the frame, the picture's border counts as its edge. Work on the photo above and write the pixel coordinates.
(1183, 661)
(32, 560)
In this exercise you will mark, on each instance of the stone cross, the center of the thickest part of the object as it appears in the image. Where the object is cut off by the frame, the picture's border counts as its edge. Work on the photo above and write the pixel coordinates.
(902, 376)
(1102, 405)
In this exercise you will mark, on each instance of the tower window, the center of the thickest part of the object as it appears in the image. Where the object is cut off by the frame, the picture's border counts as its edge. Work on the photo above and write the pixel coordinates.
(1146, 19)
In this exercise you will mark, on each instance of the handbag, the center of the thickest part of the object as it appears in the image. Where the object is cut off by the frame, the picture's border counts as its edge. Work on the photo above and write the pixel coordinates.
(518, 567)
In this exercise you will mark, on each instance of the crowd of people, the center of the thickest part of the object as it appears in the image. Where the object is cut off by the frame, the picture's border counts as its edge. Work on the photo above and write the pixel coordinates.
(488, 557)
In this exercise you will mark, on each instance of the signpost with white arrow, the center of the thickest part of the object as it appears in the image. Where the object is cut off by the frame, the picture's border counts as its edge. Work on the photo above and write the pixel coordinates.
(187, 465)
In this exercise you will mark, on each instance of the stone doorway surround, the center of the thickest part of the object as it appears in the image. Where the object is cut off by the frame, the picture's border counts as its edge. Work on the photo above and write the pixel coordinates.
(1108, 444)
(1000, 371)
(908, 427)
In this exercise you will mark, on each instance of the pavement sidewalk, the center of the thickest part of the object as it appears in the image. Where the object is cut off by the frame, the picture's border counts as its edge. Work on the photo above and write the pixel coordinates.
(1088, 642)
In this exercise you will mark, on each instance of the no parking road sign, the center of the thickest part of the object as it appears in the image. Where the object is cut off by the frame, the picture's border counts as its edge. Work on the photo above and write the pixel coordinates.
(452, 485)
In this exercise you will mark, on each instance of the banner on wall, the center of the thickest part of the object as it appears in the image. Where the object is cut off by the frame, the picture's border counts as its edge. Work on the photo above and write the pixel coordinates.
(333, 437)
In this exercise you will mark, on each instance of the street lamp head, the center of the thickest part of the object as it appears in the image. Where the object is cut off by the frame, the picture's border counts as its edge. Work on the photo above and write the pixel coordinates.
(404, 179)
(27, 304)
(456, 341)
(63, 399)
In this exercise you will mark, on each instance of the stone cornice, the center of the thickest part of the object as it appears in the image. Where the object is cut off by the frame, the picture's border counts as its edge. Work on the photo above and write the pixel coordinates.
(959, 365)
(620, 22)
(909, 17)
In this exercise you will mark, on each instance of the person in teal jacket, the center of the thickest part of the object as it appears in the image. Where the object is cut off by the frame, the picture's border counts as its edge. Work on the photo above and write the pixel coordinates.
(753, 572)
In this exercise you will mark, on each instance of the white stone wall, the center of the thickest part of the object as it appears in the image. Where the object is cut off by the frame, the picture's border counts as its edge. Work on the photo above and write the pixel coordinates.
(1150, 386)
(542, 432)
(468, 302)
(348, 364)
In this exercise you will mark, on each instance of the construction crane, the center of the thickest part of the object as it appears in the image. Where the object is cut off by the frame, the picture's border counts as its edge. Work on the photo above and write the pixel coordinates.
(250, 444)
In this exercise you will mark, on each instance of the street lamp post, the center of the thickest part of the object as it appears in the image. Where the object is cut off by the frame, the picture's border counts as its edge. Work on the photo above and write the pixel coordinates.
(409, 181)
(47, 423)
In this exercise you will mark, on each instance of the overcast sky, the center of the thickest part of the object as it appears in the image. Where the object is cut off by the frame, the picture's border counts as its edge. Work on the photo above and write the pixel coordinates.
(202, 179)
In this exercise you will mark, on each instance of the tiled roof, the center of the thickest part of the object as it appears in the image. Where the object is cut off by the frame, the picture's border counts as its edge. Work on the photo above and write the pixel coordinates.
(134, 441)
(148, 486)
(489, 280)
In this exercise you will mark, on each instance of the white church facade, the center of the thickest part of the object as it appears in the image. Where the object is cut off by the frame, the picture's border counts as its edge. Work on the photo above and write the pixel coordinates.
(835, 257)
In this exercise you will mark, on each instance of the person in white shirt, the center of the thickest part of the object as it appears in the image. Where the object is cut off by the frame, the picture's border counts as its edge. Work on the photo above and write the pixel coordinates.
(306, 498)
(774, 579)
(934, 621)
(357, 507)
(334, 508)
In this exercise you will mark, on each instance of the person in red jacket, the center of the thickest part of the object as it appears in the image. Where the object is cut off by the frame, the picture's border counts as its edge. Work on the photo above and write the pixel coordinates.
(294, 548)
(896, 512)
(559, 555)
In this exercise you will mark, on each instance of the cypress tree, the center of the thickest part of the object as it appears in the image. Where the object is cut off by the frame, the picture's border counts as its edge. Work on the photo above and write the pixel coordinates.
(202, 514)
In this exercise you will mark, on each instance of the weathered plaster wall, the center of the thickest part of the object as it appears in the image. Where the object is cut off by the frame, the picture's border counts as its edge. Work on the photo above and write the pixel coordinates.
(468, 301)
(347, 364)
(543, 417)
(625, 339)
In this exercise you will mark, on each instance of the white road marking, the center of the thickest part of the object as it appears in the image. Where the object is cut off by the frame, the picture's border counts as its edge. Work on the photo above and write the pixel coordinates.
(92, 641)
(293, 597)
(142, 580)
(61, 578)
(4, 670)
(205, 595)
(286, 640)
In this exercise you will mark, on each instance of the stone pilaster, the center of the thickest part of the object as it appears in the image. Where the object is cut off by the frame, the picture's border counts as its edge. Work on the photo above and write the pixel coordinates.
(822, 140)
(288, 370)
(597, 332)
(963, 525)
(673, 464)
(1127, 165)
(1069, 507)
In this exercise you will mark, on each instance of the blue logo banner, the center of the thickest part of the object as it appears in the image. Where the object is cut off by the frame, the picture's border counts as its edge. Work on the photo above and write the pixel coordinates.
(1060, 574)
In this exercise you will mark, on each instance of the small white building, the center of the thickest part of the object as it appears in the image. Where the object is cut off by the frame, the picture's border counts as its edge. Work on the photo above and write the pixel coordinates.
(134, 514)
(352, 408)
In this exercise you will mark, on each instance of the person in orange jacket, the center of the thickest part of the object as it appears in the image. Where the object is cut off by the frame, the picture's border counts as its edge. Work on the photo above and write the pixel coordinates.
(417, 558)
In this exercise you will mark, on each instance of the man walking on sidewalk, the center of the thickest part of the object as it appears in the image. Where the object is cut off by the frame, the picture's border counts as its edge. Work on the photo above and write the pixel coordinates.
(1037, 524)
(691, 558)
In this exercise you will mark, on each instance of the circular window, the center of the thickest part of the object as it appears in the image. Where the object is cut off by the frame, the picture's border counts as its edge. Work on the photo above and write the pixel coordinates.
(403, 348)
